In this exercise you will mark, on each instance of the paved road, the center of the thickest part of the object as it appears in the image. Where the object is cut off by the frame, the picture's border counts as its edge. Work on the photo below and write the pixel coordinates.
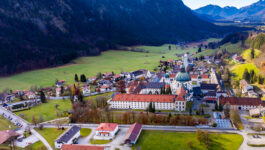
(25, 125)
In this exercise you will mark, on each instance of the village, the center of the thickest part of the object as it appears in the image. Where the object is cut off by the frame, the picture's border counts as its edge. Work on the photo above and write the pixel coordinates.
(186, 92)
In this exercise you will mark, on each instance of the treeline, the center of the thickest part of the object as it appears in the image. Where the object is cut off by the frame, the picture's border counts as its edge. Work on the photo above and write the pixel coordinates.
(96, 112)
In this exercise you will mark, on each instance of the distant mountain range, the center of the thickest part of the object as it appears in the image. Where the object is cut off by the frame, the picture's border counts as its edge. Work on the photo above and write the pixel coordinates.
(252, 13)
(40, 33)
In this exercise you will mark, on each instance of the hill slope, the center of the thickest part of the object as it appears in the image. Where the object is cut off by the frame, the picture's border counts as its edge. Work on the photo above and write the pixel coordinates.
(37, 34)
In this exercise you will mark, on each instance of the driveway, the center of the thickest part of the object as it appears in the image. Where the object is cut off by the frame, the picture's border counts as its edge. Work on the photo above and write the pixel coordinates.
(27, 141)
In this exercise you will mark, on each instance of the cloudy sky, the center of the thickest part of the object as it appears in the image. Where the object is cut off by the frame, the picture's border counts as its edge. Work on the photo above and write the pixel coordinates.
(194, 4)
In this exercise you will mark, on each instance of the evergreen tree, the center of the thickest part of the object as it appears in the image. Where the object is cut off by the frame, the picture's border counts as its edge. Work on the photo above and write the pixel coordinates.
(216, 106)
(246, 75)
(202, 111)
(170, 91)
(80, 97)
(169, 115)
(199, 50)
(260, 79)
(83, 78)
(62, 90)
(153, 108)
(150, 108)
(161, 91)
(220, 107)
(42, 97)
(252, 54)
(76, 78)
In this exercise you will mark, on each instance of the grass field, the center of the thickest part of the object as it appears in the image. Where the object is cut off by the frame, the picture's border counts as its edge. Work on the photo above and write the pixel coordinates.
(99, 141)
(50, 134)
(238, 69)
(6, 124)
(157, 140)
(247, 54)
(85, 132)
(47, 110)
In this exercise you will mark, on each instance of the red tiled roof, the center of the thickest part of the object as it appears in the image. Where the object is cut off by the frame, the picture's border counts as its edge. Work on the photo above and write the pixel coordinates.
(172, 75)
(104, 87)
(133, 132)
(144, 98)
(81, 147)
(7, 134)
(180, 98)
(181, 91)
(194, 76)
(107, 126)
(242, 101)
(205, 76)
(210, 99)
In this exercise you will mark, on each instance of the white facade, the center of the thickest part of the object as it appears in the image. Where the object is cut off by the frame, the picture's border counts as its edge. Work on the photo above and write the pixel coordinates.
(109, 134)
(176, 85)
(180, 105)
(140, 105)
(150, 91)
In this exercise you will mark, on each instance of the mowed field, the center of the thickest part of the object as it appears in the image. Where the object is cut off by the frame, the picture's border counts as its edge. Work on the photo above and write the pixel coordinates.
(157, 140)
(108, 61)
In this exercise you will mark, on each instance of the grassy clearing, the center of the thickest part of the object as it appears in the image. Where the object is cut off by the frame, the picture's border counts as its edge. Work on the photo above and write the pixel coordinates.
(85, 132)
(238, 70)
(157, 140)
(6, 124)
(47, 110)
(99, 141)
(247, 54)
(38, 145)
(50, 134)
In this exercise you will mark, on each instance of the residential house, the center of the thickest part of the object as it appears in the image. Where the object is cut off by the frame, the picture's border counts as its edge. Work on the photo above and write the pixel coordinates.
(86, 89)
(104, 88)
(107, 130)
(58, 91)
(210, 97)
(8, 135)
(68, 137)
(205, 88)
(245, 86)
(133, 133)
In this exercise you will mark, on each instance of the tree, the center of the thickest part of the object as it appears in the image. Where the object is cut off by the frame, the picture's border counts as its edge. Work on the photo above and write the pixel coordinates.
(216, 107)
(190, 144)
(120, 87)
(83, 78)
(220, 107)
(62, 90)
(246, 75)
(252, 54)
(80, 97)
(33, 120)
(260, 79)
(42, 97)
(76, 78)
(199, 135)
(99, 75)
(199, 50)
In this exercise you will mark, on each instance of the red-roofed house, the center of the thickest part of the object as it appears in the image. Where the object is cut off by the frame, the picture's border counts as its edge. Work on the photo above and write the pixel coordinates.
(241, 103)
(7, 135)
(133, 133)
(83, 147)
(205, 78)
(107, 130)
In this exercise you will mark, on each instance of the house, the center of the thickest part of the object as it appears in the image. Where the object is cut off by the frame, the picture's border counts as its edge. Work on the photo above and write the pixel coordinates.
(7, 135)
(30, 95)
(180, 103)
(205, 78)
(137, 74)
(133, 133)
(86, 89)
(68, 136)
(6, 98)
(205, 88)
(142, 101)
(60, 83)
(58, 91)
(91, 79)
(153, 88)
(104, 88)
(83, 147)
(107, 130)
(237, 58)
(241, 103)
(256, 112)
(108, 74)
(245, 86)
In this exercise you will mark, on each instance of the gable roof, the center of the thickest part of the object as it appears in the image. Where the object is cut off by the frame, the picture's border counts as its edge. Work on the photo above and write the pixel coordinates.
(81, 147)
(6, 135)
(155, 85)
(181, 91)
(208, 86)
(107, 126)
(68, 134)
(133, 132)
(144, 98)
(242, 101)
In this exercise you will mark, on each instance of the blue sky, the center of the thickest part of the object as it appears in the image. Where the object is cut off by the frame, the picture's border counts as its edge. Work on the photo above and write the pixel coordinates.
(194, 4)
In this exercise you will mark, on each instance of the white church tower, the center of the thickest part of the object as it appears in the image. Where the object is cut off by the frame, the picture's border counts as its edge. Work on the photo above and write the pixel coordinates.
(186, 61)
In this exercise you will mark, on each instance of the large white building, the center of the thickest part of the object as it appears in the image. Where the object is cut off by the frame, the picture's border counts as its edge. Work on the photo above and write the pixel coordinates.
(141, 101)
(182, 79)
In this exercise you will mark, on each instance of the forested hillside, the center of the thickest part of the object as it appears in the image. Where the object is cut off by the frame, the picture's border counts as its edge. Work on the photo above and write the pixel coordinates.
(41, 33)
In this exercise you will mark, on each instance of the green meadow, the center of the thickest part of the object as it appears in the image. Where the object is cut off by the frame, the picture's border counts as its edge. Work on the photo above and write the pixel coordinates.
(108, 61)
(157, 140)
